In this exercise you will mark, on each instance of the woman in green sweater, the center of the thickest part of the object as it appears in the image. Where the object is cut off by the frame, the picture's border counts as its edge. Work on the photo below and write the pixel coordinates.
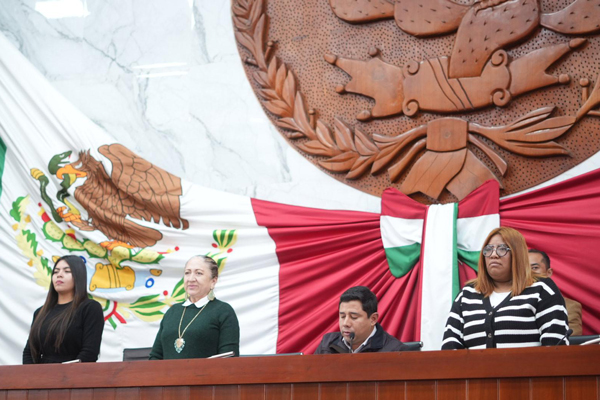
(202, 326)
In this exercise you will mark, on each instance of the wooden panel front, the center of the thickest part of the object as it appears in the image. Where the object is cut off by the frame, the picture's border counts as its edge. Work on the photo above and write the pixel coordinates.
(331, 391)
(547, 388)
(514, 389)
(305, 391)
(452, 390)
(489, 389)
(391, 390)
(582, 387)
(542, 373)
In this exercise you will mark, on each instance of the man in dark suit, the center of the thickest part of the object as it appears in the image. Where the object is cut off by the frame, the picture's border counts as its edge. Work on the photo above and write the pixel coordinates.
(540, 264)
(359, 330)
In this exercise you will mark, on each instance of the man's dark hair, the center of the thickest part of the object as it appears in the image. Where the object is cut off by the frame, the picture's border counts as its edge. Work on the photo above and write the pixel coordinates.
(362, 294)
(544, 257)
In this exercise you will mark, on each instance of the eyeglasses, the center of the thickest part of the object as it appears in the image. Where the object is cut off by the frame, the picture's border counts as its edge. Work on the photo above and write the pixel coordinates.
(501, 250)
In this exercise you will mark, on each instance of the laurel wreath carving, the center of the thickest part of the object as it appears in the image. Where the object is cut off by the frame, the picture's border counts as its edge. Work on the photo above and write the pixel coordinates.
(344, 149)
(349, 150)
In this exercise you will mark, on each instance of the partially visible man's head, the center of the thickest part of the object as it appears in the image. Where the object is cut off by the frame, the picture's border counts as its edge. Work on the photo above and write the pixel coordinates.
(539, 262)
(358, 314)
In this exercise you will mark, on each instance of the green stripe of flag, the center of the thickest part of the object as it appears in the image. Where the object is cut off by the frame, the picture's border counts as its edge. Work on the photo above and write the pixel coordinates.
(471, 258)
(402, 259)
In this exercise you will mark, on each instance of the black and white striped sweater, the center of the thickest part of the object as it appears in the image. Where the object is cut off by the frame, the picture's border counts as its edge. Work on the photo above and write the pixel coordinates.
(535, 317)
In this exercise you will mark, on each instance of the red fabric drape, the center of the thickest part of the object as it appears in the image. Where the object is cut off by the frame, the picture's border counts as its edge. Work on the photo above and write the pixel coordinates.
(564, 221)
(321, 254)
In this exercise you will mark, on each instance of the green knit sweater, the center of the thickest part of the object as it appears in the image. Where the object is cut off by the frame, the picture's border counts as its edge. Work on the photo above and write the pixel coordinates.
(215, 331)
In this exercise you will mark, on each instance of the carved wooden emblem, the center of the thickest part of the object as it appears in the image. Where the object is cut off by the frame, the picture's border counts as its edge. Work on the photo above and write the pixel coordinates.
(433, 97)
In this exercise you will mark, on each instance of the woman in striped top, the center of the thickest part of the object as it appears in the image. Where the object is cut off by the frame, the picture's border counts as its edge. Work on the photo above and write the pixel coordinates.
(506, 306)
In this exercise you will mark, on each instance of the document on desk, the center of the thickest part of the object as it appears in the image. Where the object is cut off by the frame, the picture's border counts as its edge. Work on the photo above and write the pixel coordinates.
(223, 355)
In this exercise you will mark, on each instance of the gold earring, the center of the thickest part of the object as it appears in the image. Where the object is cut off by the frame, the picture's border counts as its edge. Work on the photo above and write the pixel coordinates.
(211, 295)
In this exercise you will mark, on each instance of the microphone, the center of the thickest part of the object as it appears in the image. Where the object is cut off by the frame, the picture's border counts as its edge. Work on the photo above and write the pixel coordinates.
(352, 335)
(569, 333)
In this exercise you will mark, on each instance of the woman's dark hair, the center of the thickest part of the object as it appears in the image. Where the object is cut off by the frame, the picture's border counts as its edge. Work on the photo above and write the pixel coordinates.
(58, 326)
(367, 299)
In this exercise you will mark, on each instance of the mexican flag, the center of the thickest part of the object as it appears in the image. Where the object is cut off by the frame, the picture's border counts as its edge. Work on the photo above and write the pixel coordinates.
(70, 188)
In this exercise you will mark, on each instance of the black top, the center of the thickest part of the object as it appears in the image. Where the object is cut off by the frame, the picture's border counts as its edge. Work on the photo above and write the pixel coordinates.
(82, 339)
(381, 342)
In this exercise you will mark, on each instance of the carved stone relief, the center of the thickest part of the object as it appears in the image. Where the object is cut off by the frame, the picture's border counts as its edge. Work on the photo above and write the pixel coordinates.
(433, 97)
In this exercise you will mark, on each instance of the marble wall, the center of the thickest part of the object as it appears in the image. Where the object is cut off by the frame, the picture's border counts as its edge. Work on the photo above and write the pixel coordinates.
(164, 78)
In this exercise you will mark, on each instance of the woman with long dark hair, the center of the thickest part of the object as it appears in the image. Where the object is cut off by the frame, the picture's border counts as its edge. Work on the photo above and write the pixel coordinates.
(69, 325)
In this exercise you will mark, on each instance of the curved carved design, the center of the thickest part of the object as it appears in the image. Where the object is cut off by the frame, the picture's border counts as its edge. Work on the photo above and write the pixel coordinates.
(471, 78)
(486, 28)
(438, 155)
(362, 10)
(427, 85)
(581, 16)
(455, 167)
(429, 17)
(346, 150)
